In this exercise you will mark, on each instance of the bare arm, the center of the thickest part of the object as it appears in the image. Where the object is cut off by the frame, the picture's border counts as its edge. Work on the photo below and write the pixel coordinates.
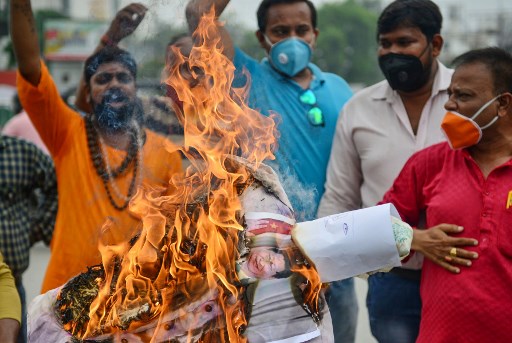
(197, 8)
(124, 24)
(10, 306)
(9, 330)
(24, 40)
(436, 244)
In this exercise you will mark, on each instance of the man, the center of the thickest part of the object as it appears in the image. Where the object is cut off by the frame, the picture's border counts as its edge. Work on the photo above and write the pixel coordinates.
(378, 130)
(10, 306)
(307, 102)
(100, 159)
(28, 203)
(264, 263)
(159, 111)
(463, 188)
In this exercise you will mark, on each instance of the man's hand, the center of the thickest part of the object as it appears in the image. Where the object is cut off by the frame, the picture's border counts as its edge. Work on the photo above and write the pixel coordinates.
(125, 22)
(438, 246)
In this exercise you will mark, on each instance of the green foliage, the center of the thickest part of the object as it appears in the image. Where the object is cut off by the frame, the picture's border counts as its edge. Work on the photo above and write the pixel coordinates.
(347, 45)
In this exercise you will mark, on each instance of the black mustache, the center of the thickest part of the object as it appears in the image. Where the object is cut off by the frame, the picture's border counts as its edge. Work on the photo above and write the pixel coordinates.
(114, 95)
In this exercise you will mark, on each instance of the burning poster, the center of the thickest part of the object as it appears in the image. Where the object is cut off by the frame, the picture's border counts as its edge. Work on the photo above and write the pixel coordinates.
(217, 259)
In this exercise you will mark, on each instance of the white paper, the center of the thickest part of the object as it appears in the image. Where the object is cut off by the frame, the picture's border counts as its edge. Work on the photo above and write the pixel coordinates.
(351, 243)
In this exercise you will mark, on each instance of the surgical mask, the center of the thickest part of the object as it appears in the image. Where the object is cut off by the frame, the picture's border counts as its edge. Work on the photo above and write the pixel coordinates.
(289, 56)
(404, 72)
(462, 131)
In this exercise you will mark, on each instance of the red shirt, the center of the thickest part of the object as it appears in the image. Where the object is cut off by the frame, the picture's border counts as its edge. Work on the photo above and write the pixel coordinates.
(447, 186)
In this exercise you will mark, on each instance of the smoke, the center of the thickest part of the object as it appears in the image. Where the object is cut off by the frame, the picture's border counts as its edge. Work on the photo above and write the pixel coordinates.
(303, 197)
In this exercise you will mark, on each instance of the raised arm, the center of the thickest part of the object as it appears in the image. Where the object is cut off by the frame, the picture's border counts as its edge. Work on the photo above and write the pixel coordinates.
(25, 41)
(124, 24)
(197, 8)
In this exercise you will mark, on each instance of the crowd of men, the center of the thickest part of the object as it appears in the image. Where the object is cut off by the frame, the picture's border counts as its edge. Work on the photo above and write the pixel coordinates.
(435, 142)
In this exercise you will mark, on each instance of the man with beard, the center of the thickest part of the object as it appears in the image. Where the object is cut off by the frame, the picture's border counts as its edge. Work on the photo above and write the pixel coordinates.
(307, 102)
(159, 111)
(101, 159)
(377, 131)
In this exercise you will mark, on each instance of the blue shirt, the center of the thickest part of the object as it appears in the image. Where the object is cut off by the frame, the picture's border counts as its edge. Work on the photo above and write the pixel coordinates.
(304, 149)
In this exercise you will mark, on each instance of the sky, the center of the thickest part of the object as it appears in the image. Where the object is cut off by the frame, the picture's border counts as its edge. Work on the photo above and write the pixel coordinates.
(244, 11)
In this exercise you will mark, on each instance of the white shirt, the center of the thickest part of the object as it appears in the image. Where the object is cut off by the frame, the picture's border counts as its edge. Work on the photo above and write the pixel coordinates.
(374, 139)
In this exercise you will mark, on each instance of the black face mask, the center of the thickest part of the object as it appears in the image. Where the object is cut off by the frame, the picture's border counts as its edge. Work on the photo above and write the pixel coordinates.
(404, 72)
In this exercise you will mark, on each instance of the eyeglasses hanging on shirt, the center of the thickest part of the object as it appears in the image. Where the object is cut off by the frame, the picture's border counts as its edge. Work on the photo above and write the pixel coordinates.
(315, 115)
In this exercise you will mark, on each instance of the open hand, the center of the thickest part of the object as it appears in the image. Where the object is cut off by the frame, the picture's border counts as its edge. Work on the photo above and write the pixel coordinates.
(437, 245)
(126, 21)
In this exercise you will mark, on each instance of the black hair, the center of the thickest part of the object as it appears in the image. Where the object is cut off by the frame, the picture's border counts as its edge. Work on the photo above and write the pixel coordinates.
(109, 54)
(498, 61)
(262, 12)
(423, 14)
(286, 272)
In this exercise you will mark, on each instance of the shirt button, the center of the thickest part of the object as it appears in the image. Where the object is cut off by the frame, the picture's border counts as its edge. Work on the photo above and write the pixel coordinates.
(487, 193)
(484, 215)
(10, 195)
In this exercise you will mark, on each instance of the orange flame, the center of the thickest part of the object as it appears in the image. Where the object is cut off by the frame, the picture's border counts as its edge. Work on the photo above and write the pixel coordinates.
(178, 278)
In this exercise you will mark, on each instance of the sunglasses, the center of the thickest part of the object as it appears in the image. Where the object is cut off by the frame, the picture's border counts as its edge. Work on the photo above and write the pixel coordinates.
(315, 115)
(104, 78)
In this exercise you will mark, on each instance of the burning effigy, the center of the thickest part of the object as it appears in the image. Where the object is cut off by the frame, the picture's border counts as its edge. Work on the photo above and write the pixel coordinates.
(221, 257)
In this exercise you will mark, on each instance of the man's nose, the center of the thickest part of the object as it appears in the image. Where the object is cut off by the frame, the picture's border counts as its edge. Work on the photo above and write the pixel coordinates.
(450, 104)
(395, 49)
(114, 83)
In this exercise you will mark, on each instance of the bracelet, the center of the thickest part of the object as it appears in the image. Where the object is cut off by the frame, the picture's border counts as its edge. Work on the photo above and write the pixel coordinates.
(105, 40)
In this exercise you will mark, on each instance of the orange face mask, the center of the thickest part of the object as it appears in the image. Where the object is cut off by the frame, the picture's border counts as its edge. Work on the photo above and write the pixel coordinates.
(462, 131)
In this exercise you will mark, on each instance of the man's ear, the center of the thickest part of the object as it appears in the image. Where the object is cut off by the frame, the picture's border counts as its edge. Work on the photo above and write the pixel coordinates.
(88, 98)
(437, 45)
(505, 104)
(262, 40)
(316, 32)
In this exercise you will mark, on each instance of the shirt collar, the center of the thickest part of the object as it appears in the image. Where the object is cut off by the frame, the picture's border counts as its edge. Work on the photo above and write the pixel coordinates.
(441, 83)
(2, 142)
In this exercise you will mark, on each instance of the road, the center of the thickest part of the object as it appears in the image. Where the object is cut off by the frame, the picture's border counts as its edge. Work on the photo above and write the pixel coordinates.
(40, 254)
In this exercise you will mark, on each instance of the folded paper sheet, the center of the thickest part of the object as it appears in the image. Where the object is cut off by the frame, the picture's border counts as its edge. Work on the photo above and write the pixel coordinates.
(351, 243)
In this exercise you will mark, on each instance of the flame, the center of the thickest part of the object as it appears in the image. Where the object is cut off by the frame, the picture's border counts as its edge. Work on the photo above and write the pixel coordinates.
(177, 279)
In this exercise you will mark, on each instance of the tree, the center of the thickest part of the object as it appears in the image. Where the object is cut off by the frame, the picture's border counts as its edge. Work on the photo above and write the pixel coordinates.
(347, 44)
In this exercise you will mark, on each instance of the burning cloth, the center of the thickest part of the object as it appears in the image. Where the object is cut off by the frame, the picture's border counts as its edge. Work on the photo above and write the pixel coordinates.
(220, 258)
(276, 279)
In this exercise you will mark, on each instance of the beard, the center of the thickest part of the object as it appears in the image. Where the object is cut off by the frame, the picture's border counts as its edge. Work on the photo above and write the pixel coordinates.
(114, 119)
